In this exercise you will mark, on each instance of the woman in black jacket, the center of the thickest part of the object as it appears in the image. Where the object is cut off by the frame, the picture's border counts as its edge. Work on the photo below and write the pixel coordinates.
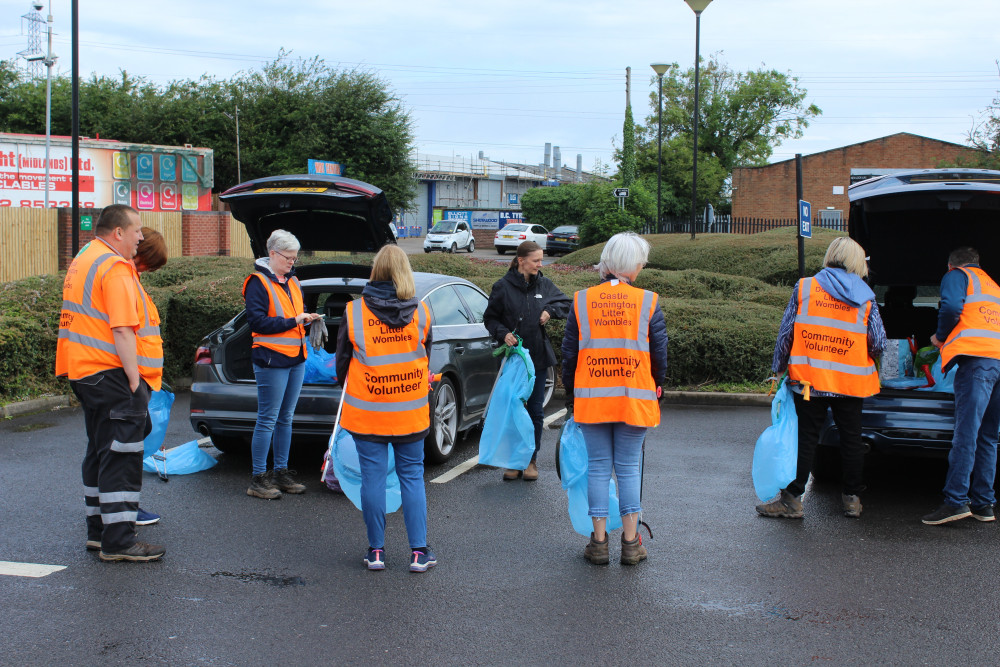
(520, 304)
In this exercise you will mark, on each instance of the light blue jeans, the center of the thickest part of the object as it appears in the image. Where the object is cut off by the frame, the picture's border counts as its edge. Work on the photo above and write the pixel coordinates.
(277, 393)
(374, 460)
(616, 445)
(972, 461)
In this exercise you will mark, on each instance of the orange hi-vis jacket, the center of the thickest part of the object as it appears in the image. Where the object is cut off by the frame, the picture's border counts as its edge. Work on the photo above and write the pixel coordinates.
(288, 342)
(830, 344)
(977, 333)
(614, 378)
(86, 344)
(387, 382)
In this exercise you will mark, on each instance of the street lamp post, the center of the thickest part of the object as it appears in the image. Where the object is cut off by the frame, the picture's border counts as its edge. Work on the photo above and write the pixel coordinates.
(239, 173)
(660, 69)
(698, 6)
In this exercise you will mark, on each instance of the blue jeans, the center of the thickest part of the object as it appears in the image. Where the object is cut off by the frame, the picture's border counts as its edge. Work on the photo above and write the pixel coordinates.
(615, 445)
(277, 393)
(977, 425)
(535, 408)
(374, 460)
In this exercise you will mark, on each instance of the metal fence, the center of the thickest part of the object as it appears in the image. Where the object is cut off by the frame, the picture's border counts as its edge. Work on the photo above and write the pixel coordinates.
(726, 224)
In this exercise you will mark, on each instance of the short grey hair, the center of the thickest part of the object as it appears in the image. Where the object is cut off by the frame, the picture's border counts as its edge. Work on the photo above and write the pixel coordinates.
(281, 240)
(623, 253)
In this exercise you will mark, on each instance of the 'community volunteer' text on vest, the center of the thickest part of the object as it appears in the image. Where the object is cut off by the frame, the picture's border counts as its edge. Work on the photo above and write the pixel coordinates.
(977, 333)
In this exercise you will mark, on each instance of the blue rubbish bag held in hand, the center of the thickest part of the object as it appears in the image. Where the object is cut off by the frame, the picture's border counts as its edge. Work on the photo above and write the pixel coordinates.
(573, 465)
(347, 467)
(160, 403)
(508, 438)
(776, 453)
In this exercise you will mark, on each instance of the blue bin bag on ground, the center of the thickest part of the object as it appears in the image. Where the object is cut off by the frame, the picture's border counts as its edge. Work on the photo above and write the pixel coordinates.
(181, 460)
(776, 453)
(508, 438)
(160, 403)
(573, 466)
(347, 467)
(321, 366)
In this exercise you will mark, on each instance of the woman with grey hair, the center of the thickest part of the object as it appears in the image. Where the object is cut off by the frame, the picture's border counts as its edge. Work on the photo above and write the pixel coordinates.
(614, 361)
(277, 321)
(829, 338)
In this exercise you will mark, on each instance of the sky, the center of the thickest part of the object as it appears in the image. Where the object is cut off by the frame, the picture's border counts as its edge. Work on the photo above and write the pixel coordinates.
(507, 77)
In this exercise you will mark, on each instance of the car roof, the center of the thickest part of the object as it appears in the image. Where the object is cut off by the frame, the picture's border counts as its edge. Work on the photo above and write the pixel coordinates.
(918, 180)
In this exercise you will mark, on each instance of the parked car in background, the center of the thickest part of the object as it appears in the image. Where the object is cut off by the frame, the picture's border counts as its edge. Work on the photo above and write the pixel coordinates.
(516, 233)
(908, 223)
(332, 213)
(562, 239)
(449, 236)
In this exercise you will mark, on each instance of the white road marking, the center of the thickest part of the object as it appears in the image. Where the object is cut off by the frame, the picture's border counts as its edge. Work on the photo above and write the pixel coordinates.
(554, 416)
(456, 471)
(204, 441)
(28, 569)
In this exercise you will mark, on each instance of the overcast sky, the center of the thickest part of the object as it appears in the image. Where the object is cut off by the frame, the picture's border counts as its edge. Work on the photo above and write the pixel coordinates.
(506, 77)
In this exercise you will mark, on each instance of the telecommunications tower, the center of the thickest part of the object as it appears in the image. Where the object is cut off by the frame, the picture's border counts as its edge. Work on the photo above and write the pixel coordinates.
(35, 21)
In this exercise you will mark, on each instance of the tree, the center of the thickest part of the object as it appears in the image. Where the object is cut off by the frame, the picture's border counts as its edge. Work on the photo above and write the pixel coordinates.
(985, 138)
(627, 168)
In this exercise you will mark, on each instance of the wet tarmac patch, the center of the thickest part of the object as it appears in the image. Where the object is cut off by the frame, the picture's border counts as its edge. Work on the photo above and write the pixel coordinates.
(257, 577)
(25, 428)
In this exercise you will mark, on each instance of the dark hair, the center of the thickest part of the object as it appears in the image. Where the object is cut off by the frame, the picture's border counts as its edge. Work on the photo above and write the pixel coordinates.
(152, 251)
(523, 250)
(962, 256)
(113, 217)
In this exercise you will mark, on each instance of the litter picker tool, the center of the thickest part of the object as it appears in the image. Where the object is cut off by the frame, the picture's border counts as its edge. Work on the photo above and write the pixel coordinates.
(328, 459)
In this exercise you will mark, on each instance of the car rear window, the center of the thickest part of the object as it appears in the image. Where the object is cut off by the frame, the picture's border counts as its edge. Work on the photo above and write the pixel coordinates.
(565, 229)
(515, 228)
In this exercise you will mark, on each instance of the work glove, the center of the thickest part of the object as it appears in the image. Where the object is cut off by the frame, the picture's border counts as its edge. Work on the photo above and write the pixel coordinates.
(318, 334)
(569, 401)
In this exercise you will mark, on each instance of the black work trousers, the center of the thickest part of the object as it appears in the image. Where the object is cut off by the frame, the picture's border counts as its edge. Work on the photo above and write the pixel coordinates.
(847, 416)
(117, 422)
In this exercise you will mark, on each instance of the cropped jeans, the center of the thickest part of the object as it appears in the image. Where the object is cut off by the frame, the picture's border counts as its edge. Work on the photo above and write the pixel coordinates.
(277, 393)
(614, 445)
(972, 461)
(373, 458)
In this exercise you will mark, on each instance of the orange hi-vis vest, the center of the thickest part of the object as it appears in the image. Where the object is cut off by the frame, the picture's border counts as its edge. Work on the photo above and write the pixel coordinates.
(977, 333)
(288, 342)
(387, 382)
(830, 344)
(86, 344)
(614, 379)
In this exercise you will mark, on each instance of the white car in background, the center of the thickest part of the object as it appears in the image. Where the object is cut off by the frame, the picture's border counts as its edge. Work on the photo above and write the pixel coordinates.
(516, 233)
(449, 236)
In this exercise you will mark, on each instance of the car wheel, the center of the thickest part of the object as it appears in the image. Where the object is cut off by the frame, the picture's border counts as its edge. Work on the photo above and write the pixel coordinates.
(453, 249)
(500, 250)
(472, 245)
(444, 423)
(550, 385)
(230, 444)
(427, 250)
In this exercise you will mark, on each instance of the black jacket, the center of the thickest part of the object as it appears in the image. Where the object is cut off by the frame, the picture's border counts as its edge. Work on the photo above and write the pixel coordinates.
(516, 306)
(380, 297)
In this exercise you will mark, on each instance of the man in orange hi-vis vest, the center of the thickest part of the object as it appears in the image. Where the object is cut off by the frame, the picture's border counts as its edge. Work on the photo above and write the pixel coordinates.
(109, 348)
(968, 334)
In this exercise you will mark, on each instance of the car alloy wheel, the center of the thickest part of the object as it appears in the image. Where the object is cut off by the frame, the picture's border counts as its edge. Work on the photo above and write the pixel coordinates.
(444, 422)
(453, 249)
(550, 385)
(472, 245)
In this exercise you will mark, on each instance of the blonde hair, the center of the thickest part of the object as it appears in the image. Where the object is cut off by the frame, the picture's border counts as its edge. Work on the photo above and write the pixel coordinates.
(845, 253)
(391, 263)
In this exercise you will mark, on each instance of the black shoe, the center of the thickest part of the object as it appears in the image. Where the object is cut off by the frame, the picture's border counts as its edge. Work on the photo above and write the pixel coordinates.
(139, 552)
(983, 513)
(946, 513)
(262, 487)
(282, 478)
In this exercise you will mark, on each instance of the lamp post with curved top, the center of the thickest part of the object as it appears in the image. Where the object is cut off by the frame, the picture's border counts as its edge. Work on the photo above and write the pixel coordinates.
(698, 6)
(660, 69)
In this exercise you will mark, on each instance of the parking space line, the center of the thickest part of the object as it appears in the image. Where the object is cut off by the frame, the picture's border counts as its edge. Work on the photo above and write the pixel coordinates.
(28, 569)
(456, 471)
(554, 416)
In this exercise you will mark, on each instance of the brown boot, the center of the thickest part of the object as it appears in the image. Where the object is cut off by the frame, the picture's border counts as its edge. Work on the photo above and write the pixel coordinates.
(785, 506)
(633, 552)
(597, 552)
(509, 475)
(530, 473)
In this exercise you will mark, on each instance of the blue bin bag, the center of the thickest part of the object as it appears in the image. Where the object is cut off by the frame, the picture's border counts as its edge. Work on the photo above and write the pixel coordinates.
(573, 464)
(944, 382)
(508, 437)
(776, 453)
(160, 403)
(321, 366)
(182, 460)
(347, 467)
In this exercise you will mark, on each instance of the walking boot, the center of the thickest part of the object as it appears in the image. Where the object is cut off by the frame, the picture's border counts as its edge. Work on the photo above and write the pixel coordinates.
(282, 478)
(633, 552)
(509, 475)
(784, 505)
(261, 487)
(597, 552)
(852, 505)
(530, 473)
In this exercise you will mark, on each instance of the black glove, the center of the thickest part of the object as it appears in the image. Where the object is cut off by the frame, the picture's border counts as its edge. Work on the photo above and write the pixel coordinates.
(569, 401)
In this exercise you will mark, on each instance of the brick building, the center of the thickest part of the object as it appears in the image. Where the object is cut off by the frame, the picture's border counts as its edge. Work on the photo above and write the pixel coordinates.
(769, 192)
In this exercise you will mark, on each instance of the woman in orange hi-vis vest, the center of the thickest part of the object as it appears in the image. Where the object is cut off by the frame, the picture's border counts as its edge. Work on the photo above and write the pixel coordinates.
(828, 340)
(278, 352)
(383, 349)
(614, 360)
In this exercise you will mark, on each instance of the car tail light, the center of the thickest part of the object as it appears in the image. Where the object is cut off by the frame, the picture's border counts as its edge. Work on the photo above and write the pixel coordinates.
(203, 355)
(497, 235)
(574, 237)
(550, 237)
(522, 236)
